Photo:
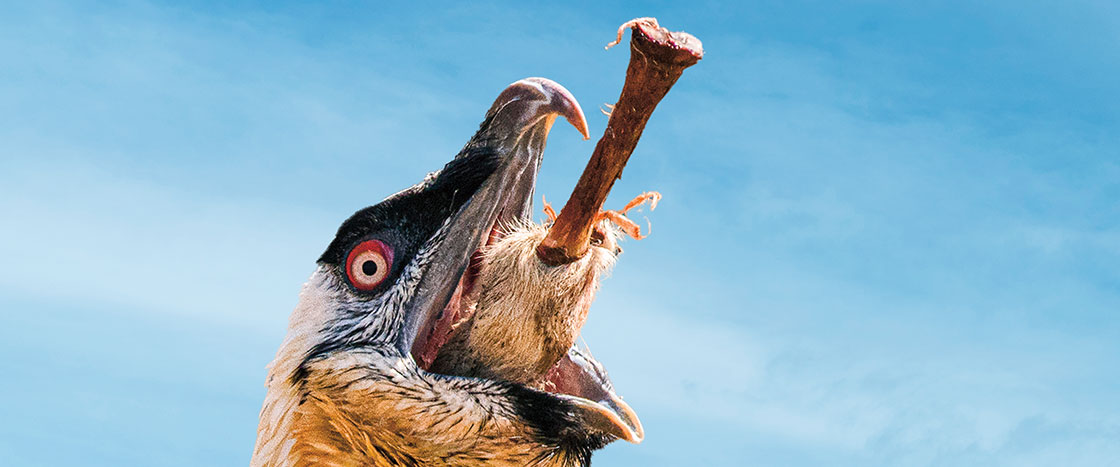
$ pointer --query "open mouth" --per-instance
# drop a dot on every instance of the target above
(461, 305)
(516, 128)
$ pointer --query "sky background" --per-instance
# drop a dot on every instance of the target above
(890, 232)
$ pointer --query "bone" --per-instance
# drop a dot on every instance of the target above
(657, 59)
(534, 296)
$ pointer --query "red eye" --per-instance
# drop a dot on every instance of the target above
(368, 264)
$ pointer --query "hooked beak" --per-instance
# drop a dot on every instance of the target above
(583, 381)
(511, 140)
(510, 143)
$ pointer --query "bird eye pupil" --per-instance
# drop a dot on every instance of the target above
(369, 268)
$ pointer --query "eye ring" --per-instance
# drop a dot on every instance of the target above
(368, 264)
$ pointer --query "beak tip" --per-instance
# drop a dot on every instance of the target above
(611, 416)
(560, 101)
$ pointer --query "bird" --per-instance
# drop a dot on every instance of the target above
(352, 382)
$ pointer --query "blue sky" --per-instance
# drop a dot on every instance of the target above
(890, 232)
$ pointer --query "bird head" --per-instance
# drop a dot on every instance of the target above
(350, 382)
